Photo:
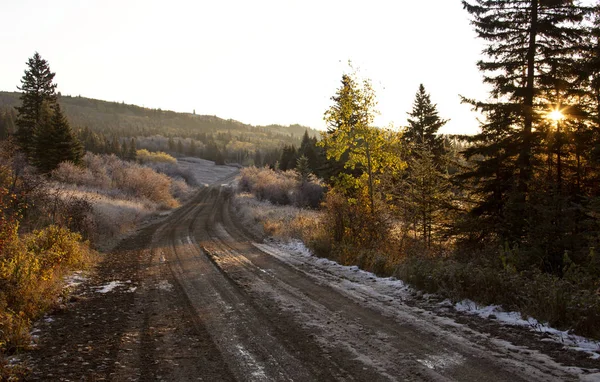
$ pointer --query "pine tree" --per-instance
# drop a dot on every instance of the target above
(303, 169)
(124, 149)
(309, 149)
(55, 141)
(4, 132)
(288, 158)
(132, 154)
(424, 123)
(425, 194)
(37, 88)
(532, 50)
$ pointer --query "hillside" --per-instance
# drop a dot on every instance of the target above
(102, 122)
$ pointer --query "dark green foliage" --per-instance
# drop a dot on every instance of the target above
(37, 88)
(533, 49)
(132, 153)
(106, 120)
(7, 123)
(44, 134)
(55, 141)
(288, 158)
(303, 169)
(423, 125)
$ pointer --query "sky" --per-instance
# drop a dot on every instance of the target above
(259, 62)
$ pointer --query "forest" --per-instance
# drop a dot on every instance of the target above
(117, 128)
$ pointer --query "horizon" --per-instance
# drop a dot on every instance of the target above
(261, 63)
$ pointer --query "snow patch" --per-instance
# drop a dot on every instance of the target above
(570, 341)
(165, 285)
(296, 253)
(590, 377)
(353, 281)
(75, 279)
(257, 371)
(109, 287)
(437, 362)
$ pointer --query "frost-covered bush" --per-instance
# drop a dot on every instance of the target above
(280, 187)
(117, 177)
(144, 182)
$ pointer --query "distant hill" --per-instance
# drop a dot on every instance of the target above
(112, 121)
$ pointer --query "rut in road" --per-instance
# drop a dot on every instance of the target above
(274, 322)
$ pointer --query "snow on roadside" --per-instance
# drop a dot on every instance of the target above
(111, 286)
(298, 255)
(74, 279)
(571, 341)
(352, 277)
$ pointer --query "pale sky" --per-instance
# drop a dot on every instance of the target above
(258, 62)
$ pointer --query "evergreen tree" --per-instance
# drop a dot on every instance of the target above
(425, 194)
(55, 141)
(258, 159)
(533, 51)
(4, 132)
(424, 123)
(288, 158)
(309, 149)
(303, 169)
(37, 88)
(132, 154)
(124, 149)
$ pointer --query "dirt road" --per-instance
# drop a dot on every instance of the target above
(196, 297)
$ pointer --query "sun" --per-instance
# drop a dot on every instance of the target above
(556, 115)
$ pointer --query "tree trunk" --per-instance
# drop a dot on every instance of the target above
(524, 157)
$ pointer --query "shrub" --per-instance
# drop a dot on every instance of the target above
(31, 272)
(283, 188)
(561, 303)
(145, 156)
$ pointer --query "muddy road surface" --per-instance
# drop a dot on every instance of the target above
(195, 297)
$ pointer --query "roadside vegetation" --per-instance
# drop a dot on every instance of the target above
(59, 204)
(508, 216)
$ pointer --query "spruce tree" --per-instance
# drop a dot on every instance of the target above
(424, 123)
(303, 169)
(132, 154)
(37, 88)
(55, 141)
(425, 194)
(532, 48)
(288, 158)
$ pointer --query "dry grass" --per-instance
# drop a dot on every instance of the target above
(283, 222)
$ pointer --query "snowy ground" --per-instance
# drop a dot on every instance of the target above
(205, 171)
(365, 285)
